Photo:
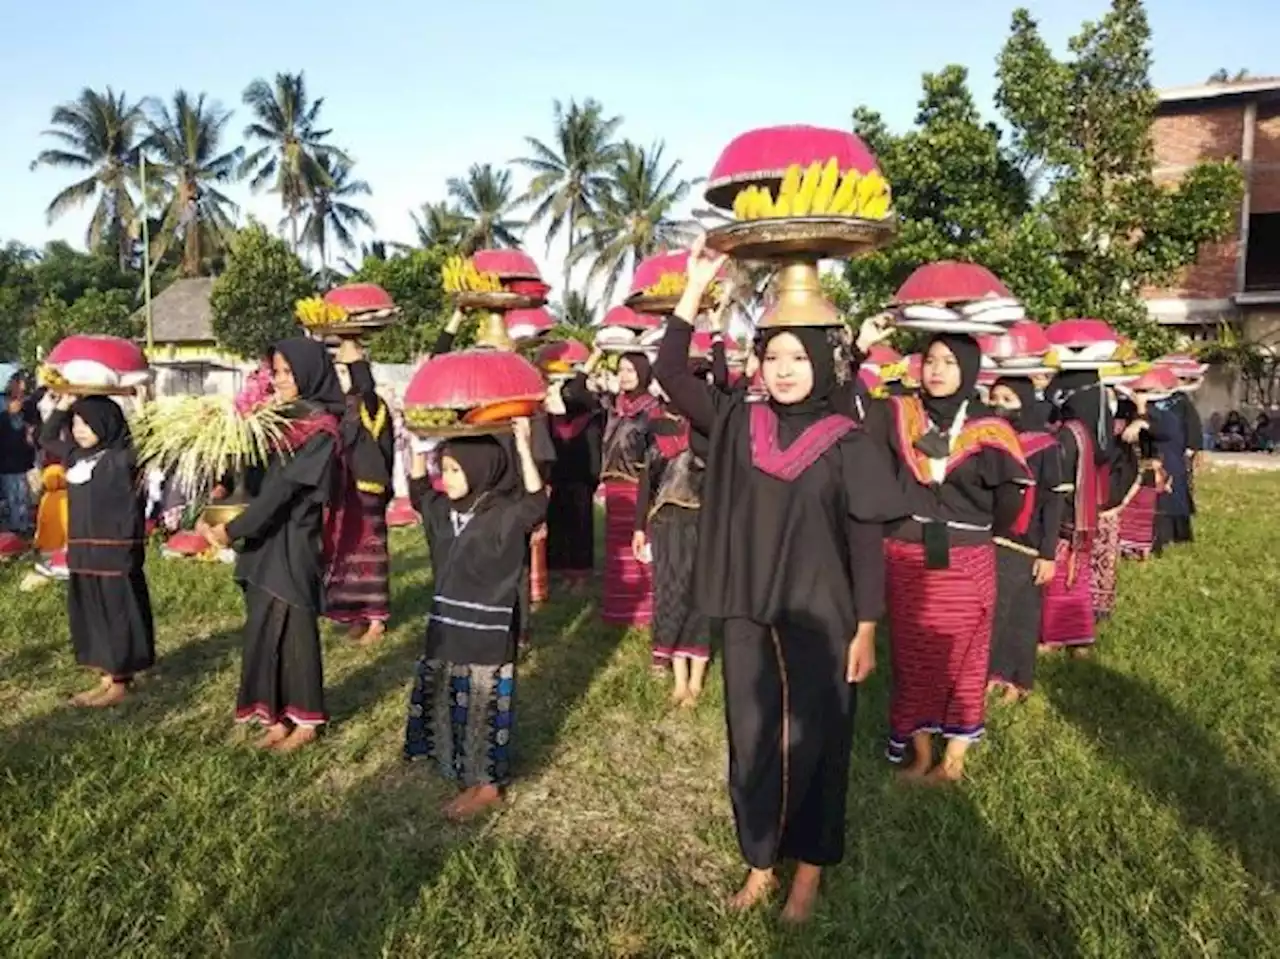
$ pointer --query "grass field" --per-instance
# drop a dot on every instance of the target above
(1131, 808)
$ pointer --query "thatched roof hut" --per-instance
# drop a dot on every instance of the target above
(180, 315)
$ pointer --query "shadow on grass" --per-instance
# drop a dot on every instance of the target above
(923, 873)
(166, 688)
(1176, 759)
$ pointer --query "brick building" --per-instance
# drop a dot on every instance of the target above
(1237, 280)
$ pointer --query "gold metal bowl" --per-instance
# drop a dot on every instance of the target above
(219, 514)
(819, 237)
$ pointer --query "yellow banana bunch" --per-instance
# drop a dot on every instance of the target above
(670, 284)
(314, 311)
(817, 190)
(872, 196)
(460, 275)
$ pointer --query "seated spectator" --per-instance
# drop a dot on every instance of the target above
(1264, 438)
(1234, 437)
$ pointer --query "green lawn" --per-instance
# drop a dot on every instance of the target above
(1132, 808)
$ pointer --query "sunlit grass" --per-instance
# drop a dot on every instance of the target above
(1129, 809)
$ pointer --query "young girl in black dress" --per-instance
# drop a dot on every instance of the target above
(108, 605)
(461, 710)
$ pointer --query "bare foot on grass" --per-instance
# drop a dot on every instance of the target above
(760, 886)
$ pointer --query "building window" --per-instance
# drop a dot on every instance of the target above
(1262, 262)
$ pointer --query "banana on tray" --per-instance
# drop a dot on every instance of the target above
(818, 189)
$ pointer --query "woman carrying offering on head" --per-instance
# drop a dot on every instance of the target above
(628, 585)
(790, 562)
(359, 592)
(577, 429)
(966, 478)
(108, 604)
(1084, 431)
(286, 544)
(461, 712)
(1025, 561)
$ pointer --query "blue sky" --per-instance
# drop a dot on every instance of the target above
(418, 91)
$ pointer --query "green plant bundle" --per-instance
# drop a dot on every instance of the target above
(199, 439)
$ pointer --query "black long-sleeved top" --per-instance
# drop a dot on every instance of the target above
(106, 533)
(477, 566)
(808, 551)
(282, 546)
(17, 439)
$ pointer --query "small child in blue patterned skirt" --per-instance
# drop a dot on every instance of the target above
(461, 711)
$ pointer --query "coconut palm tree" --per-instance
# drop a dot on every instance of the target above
(438, 224)
(636, 216)
(331, 217)
(570, 174)
(98, 133)
(185, 147)
(575, 311)
(286, 124)
(485, 205)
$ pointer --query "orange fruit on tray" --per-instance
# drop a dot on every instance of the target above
(497, 412)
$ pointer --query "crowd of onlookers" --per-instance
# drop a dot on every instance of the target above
(1234, 433)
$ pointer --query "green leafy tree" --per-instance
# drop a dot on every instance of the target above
(95, 311)
(253, 300)
(1067, 210)
(956, 191)
(413, 280)
(98, 134)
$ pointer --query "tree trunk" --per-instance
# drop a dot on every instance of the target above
(568, 268)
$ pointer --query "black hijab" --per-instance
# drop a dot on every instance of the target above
(104, 416)
(1033, 415)
(313, 372)
(485, 464)
(943, 409)
(822, 359)
(644, 372)
(1078, 395)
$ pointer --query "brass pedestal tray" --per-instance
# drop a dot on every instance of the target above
(661, 305)
(496, 300)
(82, 389)
(819, 237)
(796, 244)
(460, 430)
(356, 325)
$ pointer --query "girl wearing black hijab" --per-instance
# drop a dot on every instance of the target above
(1084, 428)
(965, 477)
(108, 604)
(790, 562)
(359, 592)
(286, 549)
(628, 585)
(1025, 561)
(461, 709)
